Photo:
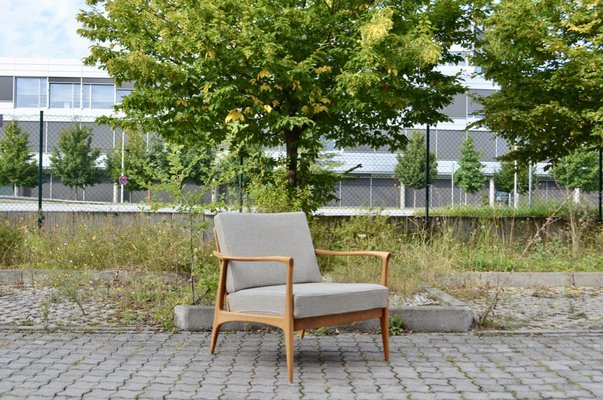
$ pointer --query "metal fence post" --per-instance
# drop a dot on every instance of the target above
(600, 214)
(40, 170)
(427, 167)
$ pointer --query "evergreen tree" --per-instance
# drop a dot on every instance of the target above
(470, 176)
(578, 171)
(410, 169)
(17, 165)
(138, 166)
(504, 178)
(74, 161)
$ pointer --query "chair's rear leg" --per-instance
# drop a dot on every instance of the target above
(385, 333)
(214, 337)
(303, 333)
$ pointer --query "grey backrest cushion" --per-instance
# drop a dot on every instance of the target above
(256, 235)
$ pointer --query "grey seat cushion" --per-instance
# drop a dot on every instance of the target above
(310, 299)
(256, 235)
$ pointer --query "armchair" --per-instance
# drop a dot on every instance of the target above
(269, 274)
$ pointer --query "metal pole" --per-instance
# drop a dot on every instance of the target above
(600, 216)
(241, 183)
(515, 183)
(123, 164)
(40, 170)
(427, 162)
(530, 183)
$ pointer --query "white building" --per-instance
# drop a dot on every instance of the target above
(68, 91)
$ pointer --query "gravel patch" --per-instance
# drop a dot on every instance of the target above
(537, 308)
(51, 307)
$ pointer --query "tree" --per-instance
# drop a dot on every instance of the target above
(411, 170)
(137, 163)
(470, 176)
(504, 178)
(74, 161)
(546, 56)
(280, 73)
(17, 165)
(578, 171)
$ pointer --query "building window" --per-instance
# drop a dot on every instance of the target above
(31, 92)
(65, 95)
(98, 96)
(120, 94)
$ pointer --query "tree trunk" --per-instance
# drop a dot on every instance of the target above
(15, 190)
(292, 145)
(577, 196)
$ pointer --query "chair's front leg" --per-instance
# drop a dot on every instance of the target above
(219, 306)
(288, 321)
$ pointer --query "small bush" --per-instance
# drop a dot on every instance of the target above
(11, 244)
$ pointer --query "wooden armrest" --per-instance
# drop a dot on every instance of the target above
(384, 255)
(266, 258)
(225, 259)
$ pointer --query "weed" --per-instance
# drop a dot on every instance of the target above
(11, 243)
(397, 326)
(324, 331)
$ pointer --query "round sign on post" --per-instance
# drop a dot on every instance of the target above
(123, 180)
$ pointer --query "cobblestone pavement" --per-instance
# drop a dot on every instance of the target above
(252, 366)
(570, 308)
(45, 306)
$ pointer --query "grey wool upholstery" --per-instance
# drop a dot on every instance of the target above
(258, 235)
(310, 299)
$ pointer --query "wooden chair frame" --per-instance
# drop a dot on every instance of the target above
(287, 322)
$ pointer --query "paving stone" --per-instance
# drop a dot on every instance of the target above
(424, 366)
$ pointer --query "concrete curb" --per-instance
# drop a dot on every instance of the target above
(527, 279)
(31, 276)
(453, 317)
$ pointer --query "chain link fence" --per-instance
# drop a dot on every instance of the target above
(373, 184)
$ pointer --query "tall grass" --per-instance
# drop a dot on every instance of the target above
(458, 245)
(148, 249)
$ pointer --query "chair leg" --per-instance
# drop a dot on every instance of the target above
(289, 351)
(303, 333)
(385, 333)
(214, 337)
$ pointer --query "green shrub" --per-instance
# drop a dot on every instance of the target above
(11, 244)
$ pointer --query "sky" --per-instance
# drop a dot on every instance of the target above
(41, 29)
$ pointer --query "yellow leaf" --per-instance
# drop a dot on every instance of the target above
(265, 88)
(210, 54)
(305, 109)
(267, 108)
(318, 108)
(182, 102)
(296, 85)
(323, 69)
(248, 110)
(233, 116)
(263, 73)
